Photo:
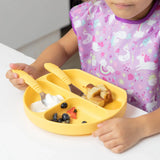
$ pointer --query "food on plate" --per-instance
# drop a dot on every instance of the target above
(98, 100)
(64, 105)
(50, 101)
(60, 120)
(93, 92)
(73, 113)
(67, 121)
(84, 121)
(55, 116)
(65, 117)
(98, 94)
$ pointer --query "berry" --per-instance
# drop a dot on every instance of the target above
(55, 117)
(64, 105)
(67, 121)
(60, 120)
(72, 112)
(65, 117)
(84, 121)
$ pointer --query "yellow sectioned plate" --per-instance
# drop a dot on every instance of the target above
(86, 110)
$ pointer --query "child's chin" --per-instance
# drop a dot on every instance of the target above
(127, 17)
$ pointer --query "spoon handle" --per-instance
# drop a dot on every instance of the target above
(29, 80)
(58, 72)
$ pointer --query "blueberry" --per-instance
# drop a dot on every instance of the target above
(65, 117)
(84, 121)
(55, 117)
(75, 111)
(60, 120)
(64, 105)
(67, 121)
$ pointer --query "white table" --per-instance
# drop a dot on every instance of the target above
(22, 140)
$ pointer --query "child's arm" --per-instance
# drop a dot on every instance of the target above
(59, 52)
(150, 123)
(119, 134)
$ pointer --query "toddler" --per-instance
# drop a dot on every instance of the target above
(118, 41)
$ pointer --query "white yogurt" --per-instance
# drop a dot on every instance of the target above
(50, 101)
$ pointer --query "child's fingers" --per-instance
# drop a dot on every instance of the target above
(14, 77)
(101, 131)
(10, 75)
(107, 137)
(111, 144)
(105, 123)
(22, 87)
(19, 66)
(19, 83)
(16, 82)
(118, 149)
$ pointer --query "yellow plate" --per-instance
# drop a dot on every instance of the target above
(86, 110)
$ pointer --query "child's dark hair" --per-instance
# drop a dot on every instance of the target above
(75, 2)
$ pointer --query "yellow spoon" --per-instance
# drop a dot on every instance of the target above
(32, 83)
(59, 73)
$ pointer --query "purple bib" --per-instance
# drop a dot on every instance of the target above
(123, 52)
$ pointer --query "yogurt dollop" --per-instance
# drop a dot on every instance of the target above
(50, 100)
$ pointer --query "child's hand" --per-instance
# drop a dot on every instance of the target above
(119, 134)
(14, 78)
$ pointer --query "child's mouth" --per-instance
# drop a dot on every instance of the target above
(122, 6)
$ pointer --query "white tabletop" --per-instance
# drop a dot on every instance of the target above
(22, 140)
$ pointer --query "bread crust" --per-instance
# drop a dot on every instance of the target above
(98, 94)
